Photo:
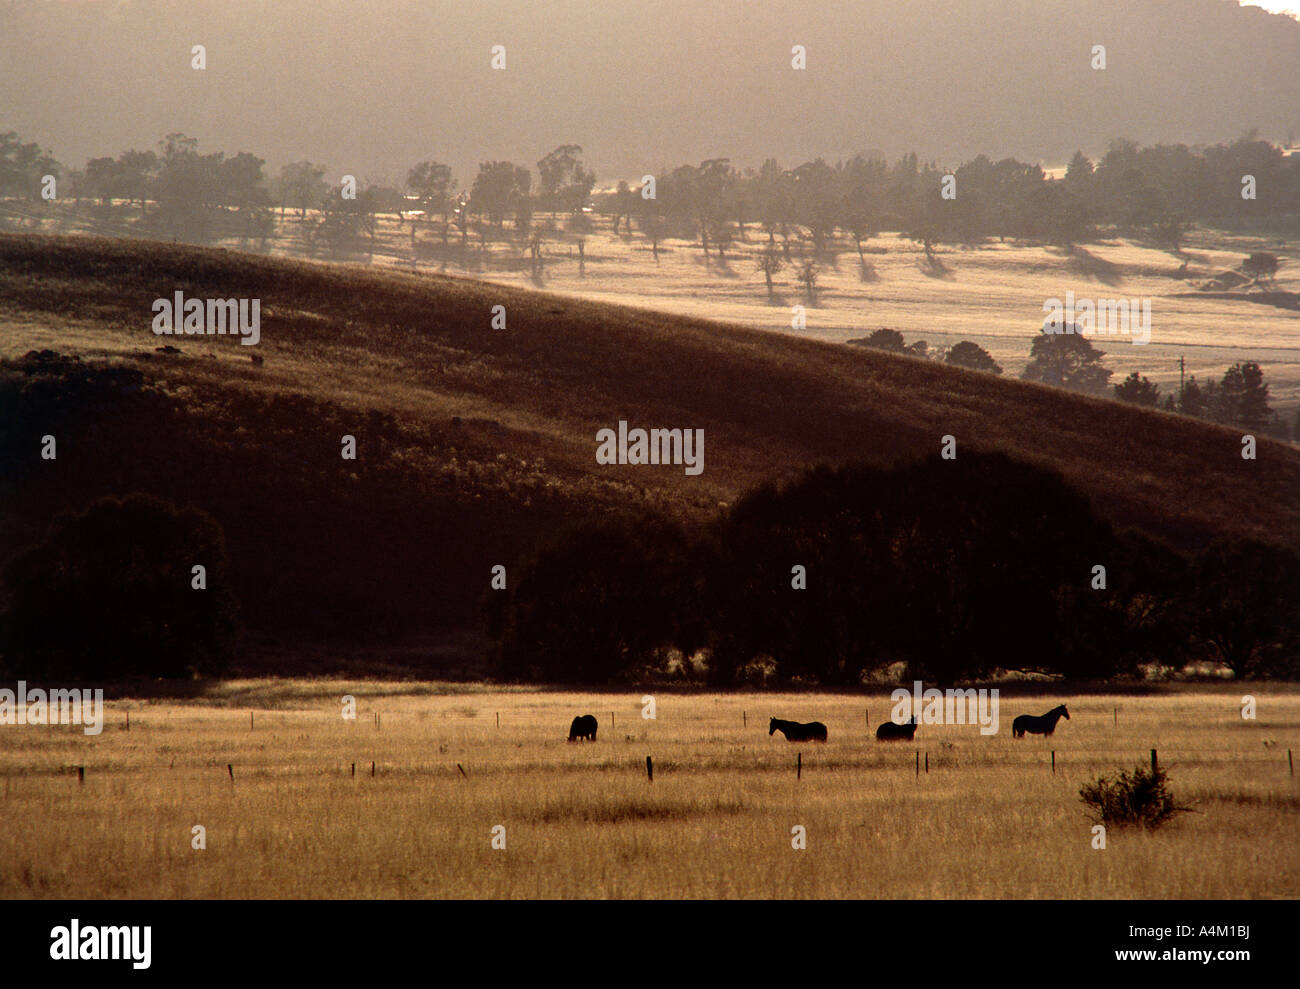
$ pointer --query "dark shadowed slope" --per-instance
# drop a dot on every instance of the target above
(474, 442)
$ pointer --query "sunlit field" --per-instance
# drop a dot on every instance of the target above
(992, 294)
(988, 819)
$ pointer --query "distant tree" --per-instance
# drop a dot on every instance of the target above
(712, 189)
(498, 189)
(624, 202)
(22, 165)
(972, 356)
(1192, 401)
(240, 181)
(773, 198)
(303, 185)
(103, 178)
(1260, 266)
(808, 273)
(109, 592)
(189, 190)
(1247, 606)
(886, 339)
(816, 201)
(579, 227)
(770, 264)
(432, 181)
(1169, 230)
(1067, 360)
(1242, 398)
(563, 183)
(653, 225)
(1080, 170)
(928, 224)
(136, 173)
(1138, 390)
(863, 182)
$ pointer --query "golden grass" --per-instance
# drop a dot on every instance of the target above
(989, 819)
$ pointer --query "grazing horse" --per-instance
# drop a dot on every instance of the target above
(890, 732)
(1039, 726)
(813, 731)
(584, 726)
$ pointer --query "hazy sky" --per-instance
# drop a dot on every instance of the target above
(372, 86)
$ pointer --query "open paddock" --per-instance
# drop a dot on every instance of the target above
(988, 819)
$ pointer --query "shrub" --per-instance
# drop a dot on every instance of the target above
(1139, 798)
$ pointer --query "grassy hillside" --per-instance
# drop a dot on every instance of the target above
(474, 443)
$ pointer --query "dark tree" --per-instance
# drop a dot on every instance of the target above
(1138, 390)
(109, 593)
(606, 600)
(884, 339)
(1247, 606)
(1067, 360)
(972, 356)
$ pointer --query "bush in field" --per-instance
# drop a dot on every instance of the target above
(109, 592)
(1140, 798)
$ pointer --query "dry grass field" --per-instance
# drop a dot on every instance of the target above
(992, 294)
(989, 819)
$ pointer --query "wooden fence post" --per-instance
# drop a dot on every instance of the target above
(354, 770)
(918, 763)
(81, 774)
(927, 762)
(649, 769)
(1154, 766)
(231, 770)
(798, 767)
(1290, 762)
(1053, 762)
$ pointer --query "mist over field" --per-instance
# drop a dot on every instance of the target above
(372, 87)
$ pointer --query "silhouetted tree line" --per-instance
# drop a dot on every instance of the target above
(1155, 192)
(955, 569)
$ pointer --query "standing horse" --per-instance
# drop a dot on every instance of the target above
(890, 732)
(1044, 725)
(584, 726)
(813, 731)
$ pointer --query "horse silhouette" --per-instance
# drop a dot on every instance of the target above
(813, 731)
(1044, 725)
(890, 732)
(584, 726)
